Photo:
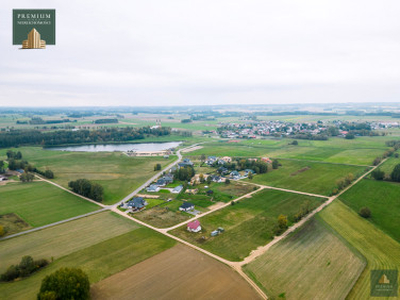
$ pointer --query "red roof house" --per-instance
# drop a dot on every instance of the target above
(194, 226)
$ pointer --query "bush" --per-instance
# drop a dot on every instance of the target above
(49, 174)
(65, 283)
(377, 161)
(26, 267)
(275, 164)
(349, 136)
(2, 230)
(365, 212)
(378, 174)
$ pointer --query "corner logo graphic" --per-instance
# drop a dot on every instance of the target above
(34, 28)
(384, 283)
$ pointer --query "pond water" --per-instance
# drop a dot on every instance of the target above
(118, 147)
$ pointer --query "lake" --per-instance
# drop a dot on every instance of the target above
(119, 147)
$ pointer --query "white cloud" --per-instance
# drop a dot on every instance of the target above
(206, 52)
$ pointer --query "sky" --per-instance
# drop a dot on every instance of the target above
(149, 53)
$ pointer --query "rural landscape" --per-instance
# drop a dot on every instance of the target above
(200, 202)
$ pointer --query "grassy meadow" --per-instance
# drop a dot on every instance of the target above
(101, 245)
(304, 176)
(40, 203)
(379, 250)
(298, 266)
(248, 224)
(118, 174)
(382, 198)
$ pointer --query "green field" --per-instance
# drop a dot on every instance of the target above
(248, 224)
(101, 245)
(380, 250)
(382, 198)
(40, 203)
(318, 178)
(389, 165)
(298, 266)
(117, 173)
(360, 151)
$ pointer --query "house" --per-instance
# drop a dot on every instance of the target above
(192, 191)
(211, 160)
(177, 190)
(247, 171)
(161, 182)
(209, 192)
(234, 175)
(216, 178)
(185, 163)
(2, 178)
(169, 178)
(227, 159)
(221, 162)
(266, 160)
(137, 203)
(223, 170)
(186, 206)
(194, 226)
(153, 188)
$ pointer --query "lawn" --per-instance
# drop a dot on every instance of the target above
(101, 245)
(389, 165)
(40, 203)
(312, 263)
(380, 250)
(117, 173)
(311, 177)
(382, 198)
(248, 224)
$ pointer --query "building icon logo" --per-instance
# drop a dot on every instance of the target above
(34, 41)
(384, 283)
(39, 25)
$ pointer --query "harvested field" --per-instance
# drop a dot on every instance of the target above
(300, 265)
(177, 273)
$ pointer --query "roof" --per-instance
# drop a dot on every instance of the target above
(137, 202)
(187, 205)
(194, 224)
(178, 188)
(153, 187)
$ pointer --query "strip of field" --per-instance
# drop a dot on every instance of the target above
(380, 250)
(120, 245)
(389, 165)
(313, 263)
(317, 178)
(248, 224)
(178, 273)
(382, 198)
(117, 173)
(40, 203)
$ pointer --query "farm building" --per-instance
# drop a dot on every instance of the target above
(266, 160)
(186, 206)
(194, 226)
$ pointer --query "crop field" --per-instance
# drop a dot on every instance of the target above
(186, 274)
(361, 151)
(248, 224)
(318, 178)
(101, 245)
(298, 266)
(382, 198)
(117, 173)
(40, 203)
(389, 165)
(379, 250)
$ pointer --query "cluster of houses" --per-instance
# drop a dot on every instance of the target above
(161, 182)
(211, 160)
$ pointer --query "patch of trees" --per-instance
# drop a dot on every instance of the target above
(239, 164)
(343, 183)
(40, 121)
(2, 167)
(378, 174)
(282, 225)
(87, 189)
(275, 164)
(184, 173)
(294, 143)
(395, 175)
(26, 267)
(157, 167)
(49, 174)
(186, 121)
(13, 155)
(365, 212)
(65, 283)
(19, 137)
(303, 211)
(106, 121)
(26, 177)
(349, 136)
(309, 136)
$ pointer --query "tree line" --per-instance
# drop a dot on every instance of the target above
(19, 137)
(87, 189)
